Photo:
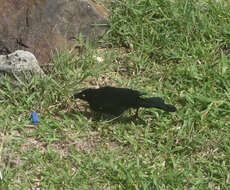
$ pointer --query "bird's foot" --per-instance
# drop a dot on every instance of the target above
(137, 120)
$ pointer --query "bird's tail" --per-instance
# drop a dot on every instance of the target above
(156, 102)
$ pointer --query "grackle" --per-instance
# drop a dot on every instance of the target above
(115, 101)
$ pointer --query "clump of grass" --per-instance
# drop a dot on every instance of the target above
(171, 30)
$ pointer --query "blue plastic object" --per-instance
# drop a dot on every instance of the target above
(34, 116)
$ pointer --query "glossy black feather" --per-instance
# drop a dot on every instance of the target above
(115, 101)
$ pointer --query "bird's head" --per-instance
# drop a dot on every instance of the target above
(84, 95)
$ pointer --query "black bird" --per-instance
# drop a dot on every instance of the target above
(115, 101)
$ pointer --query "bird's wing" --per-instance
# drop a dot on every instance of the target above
(121, 91)
(133, 92)
(141, 93)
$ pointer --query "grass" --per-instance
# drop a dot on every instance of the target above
(178, 50)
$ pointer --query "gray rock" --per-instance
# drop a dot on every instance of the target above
(42, 26)
(21, 64)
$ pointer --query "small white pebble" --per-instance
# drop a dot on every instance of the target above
(99, 59)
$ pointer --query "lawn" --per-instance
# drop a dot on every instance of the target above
(177, 50)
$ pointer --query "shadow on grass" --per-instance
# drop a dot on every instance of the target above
(105, 118)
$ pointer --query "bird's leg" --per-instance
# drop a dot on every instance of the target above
(137, 119)
(136, 114)
(97, 116)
